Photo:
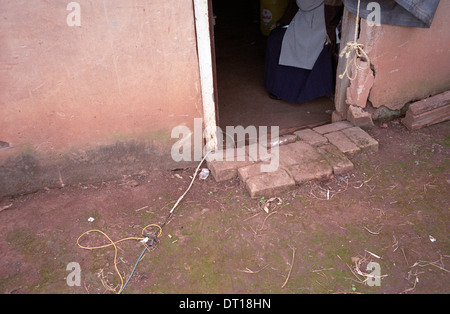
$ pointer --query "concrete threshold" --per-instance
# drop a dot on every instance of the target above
(317, 154)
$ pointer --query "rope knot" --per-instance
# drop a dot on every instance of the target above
(357, 50)
(353, 47)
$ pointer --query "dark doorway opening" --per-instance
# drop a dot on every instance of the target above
(240, 49)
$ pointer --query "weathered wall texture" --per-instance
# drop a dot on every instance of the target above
(110, 89)
(408, 63)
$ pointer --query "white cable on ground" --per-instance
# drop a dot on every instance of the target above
(190, 185)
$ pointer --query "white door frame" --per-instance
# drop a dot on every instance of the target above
(202, 28)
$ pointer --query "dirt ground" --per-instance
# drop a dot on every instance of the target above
(392, 209)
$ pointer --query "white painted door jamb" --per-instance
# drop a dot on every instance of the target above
(206, 72)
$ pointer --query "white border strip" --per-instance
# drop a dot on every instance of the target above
(206, 72)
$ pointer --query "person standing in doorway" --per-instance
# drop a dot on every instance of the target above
(299, 65)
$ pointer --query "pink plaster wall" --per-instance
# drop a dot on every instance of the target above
(130, 71)
(409, 63)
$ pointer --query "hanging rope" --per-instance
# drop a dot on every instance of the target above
(354, 51)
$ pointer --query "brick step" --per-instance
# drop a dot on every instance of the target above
(318, 154)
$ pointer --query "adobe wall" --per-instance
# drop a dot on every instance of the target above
(408, 64)
(94, 101)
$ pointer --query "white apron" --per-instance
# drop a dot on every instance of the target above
(304, 38)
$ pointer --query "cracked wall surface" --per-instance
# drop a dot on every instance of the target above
(407, 64)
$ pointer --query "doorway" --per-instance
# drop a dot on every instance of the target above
(240, 49)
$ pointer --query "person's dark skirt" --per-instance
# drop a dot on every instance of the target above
(293, 84)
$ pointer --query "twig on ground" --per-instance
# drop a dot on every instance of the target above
(364, 182)
(395, 245)
(328, 192)
(404, 255)
(290, 270)
(262, 226)
(416, 280)
(142, 208)
(249, 271)
(438, 264)
(357, 272)
(104, 282)
(319, 270)
(373, 232)
(374, 255)
(252, 216)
